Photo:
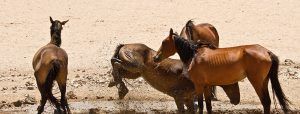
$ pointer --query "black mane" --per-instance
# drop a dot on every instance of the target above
(185, 49)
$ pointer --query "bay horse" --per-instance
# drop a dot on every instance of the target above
(135, 60)
(200, 32)
(222, 66)
(50, 63)
(203, 32)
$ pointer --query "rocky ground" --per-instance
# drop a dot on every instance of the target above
(88, 92)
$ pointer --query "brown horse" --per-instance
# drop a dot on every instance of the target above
(222, 66)
(51, 63)
(135, 60)
(205, 33)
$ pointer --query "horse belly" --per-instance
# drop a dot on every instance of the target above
(224, 75)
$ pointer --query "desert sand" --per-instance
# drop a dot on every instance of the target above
(96, 27)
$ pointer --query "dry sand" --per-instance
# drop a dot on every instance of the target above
(97, 26)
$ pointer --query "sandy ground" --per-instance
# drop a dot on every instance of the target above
(97, 26)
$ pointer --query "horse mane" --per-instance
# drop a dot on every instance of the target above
(189, 29)
(185, 48)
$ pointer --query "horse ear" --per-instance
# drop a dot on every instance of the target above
(171, 32)
(64, 22)
(51, 20)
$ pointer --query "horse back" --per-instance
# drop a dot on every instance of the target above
(232, 54)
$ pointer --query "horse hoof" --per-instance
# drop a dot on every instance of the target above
(58, 111)
(214, 99)
(122, 92)
(112, 83)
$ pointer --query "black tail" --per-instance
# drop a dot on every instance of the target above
(50, 79)
(189, 29)
(116, 54)
(277, 90)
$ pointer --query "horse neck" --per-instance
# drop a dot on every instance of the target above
(185, 50)
(56, 38)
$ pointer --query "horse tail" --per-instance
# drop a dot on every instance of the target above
(50, 79)
(277, 90)
(116, 54)
(189, 29)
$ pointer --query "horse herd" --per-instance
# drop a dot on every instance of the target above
(202, 66)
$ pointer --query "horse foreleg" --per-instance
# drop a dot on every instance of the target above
(200, 103)
(214, 93)
(180, 104)
(189, 103)
(208, 95)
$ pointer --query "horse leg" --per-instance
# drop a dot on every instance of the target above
(261, 88)
(40, 84)
(42, 104)
(61, 81)
(233, 92)
(214, 93)
(115, 73)
(117, 80)
(43, 100)
(55, 102)
(179, 103)
(200, 103)
(189, 103)
(208, 95)
(199, 89)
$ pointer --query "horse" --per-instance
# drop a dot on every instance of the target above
(135, 60)
(203, 32)
(200, 32)
(222, 66)
(50, 63)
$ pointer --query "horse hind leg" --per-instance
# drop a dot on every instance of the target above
(261, 88)
(61, 80)
(40, 80)
(43, 100)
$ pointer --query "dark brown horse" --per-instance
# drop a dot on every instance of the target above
(51, 63)
(135, 60)
(222, 66)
